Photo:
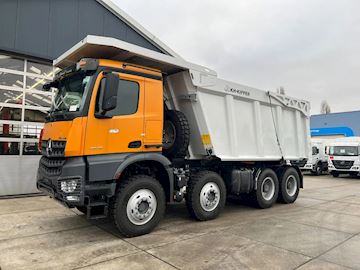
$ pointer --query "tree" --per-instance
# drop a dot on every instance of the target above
(325, 107)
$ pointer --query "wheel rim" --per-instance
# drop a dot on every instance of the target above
(141, 207)
(209, 196)
(318, 170)
(291, 185)
(268, 188)
(169, 134)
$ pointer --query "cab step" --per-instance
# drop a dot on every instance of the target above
(97, 210)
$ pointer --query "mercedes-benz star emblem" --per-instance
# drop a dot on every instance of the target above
(49, 148)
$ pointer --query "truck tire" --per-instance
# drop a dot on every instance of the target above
(205, 195)
(176, 135)
(335, 174)
(289, 186)
(318, 169)
(139, 205)
(267, 190)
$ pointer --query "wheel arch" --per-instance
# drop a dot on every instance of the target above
(156, 163)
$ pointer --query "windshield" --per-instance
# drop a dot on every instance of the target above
(344, 151)
(71, 93)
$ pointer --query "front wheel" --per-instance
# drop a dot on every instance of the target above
(335, 174)
(289, 186)
(139, 205)
(206, 195)
(317, 170)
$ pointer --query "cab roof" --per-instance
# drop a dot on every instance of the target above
(113, 49)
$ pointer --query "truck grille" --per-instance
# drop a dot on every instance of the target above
(53, 158)
(299, 163)
(53, 149)
(343, 164)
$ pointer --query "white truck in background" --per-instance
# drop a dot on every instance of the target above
(318, 161)
(344, 156)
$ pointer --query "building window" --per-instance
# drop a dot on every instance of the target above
(23, 104)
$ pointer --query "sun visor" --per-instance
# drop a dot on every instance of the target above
(114, 49)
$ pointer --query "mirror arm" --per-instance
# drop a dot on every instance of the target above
(102, 116)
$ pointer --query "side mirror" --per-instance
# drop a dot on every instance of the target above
(109, 100)
(48, 86)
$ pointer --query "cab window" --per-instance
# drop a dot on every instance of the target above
(127, 98)
(315, 150)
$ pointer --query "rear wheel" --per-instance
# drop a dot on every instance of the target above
(289, 186)
(267, 189)
(139, 205)
(206, 195)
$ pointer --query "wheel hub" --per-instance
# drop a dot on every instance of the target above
(141, 206)
(169, 135)
(268, 188)
(209, 196)
(291, 185)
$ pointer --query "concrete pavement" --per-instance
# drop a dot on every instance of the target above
(320, 231)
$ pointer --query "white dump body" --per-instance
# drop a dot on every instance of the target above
(230, 121)
(238, 123)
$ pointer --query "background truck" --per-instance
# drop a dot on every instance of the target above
(344, 156)
(318, 161)
(132, 129)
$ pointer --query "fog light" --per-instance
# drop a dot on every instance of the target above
(68, 186)
(73, 198)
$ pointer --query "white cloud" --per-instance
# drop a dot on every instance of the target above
(309, 47)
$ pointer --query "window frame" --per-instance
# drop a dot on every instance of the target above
(25, 73)
(100, 95)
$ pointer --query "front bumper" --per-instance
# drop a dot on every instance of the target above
(355, 168)
(307, 167)
(85, 193)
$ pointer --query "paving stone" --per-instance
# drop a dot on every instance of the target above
(340, 207)
(9, 206)
(137, 261)
(304, 239)
(347, 254)
(62, 250)
(39, 222)
(324, 219)
(322, 265)
(226, 251)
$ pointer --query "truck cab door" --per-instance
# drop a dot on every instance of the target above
(121, 129)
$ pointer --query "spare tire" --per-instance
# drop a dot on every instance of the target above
(176, 134)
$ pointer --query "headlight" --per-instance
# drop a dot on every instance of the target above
(68, 186)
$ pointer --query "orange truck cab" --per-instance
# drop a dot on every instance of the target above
(106, 115)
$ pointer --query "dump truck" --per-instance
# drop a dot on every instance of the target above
(344, 156)
(132, 130)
